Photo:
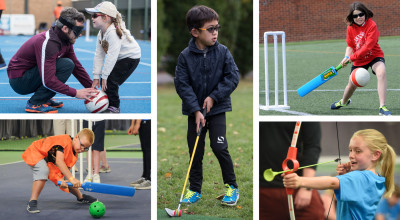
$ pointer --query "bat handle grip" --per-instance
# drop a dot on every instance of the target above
(340, 66)
(68, 183)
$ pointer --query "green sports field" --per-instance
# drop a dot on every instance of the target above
(305, 60)
(173, 158)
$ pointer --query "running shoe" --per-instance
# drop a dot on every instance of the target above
(338, 104)
(39, 108)
(384, 111)
(191, 197)
(231, 195)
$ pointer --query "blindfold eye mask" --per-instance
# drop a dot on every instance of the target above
(76, 29)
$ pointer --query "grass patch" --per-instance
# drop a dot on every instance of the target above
(305, 60)
(173, 157)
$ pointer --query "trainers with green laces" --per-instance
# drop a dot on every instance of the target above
(191, 197)
(231, 195)
(384, 111)
(339, 104)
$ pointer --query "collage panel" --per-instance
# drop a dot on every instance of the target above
(332, 170)
(334, 63)
(34, 151)
(204, 87)
(75, 56)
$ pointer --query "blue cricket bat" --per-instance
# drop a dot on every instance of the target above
(106, 188)
(319, 80)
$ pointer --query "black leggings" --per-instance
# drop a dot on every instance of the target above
(121, 72)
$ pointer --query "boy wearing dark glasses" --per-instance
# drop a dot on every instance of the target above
(44, 63)
(52, 158)
(205, 77)
(363, 51)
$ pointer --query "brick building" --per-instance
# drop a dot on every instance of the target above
(305, 20)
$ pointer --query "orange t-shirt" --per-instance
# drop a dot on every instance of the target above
(57, 11)
(2, 5)
(39, 149)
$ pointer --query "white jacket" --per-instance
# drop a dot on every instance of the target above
(117, 49)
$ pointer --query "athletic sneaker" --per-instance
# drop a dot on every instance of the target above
(384, 111)
(112, 109)
(231, 195)
(104, 169)
(87, 179)
(53, 103)
(39, 108)
(138, 182)
(87, 199)
(32, 206)
(338, 104)
(96, 178)
(144, 185)
(191, 197)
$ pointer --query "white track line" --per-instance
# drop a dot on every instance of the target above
(11, 163)
(92, 52)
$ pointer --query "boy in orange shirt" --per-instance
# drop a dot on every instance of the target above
(52, 158)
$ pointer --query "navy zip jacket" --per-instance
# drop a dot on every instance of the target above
(202, 73)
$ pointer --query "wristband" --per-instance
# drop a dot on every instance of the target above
(71, 178)
(347, 57)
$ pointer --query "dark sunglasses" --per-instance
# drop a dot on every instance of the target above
(76, 29)
(359, 15)
(97, 15)
(211, 29)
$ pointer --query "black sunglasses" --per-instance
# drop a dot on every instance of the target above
(359, 15)
(211, 29)
(76, 29)
(97, 15)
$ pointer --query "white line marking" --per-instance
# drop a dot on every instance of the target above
(11, 163)
(92, 52)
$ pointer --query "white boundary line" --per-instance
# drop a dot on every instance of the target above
(92, 52)
(11, 163)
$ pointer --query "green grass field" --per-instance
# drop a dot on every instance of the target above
(306, 60)
(173, 157)
(11, 150)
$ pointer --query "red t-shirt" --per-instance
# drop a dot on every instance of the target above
(364, 41)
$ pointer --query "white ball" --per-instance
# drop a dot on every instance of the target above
(98, 103)
(360, 77)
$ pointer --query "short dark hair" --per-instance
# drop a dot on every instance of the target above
(361, 7)
(197, 16)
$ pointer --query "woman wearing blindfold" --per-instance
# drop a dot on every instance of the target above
(122, 50)
(44, 63)
(363, 51)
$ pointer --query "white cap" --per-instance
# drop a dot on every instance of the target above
(106, 8)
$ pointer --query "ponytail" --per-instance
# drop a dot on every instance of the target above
(121, 29)
(376, 141)
(387, 169)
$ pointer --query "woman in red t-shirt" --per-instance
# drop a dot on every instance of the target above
(363, 51)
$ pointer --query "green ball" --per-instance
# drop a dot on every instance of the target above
(97, 209)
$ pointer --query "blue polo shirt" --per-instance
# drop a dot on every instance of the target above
(359, 195)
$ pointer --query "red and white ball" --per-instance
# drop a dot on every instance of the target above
(98, 102)
(360, 77)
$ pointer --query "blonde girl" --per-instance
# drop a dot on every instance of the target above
(361, 182)
(122, 50)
